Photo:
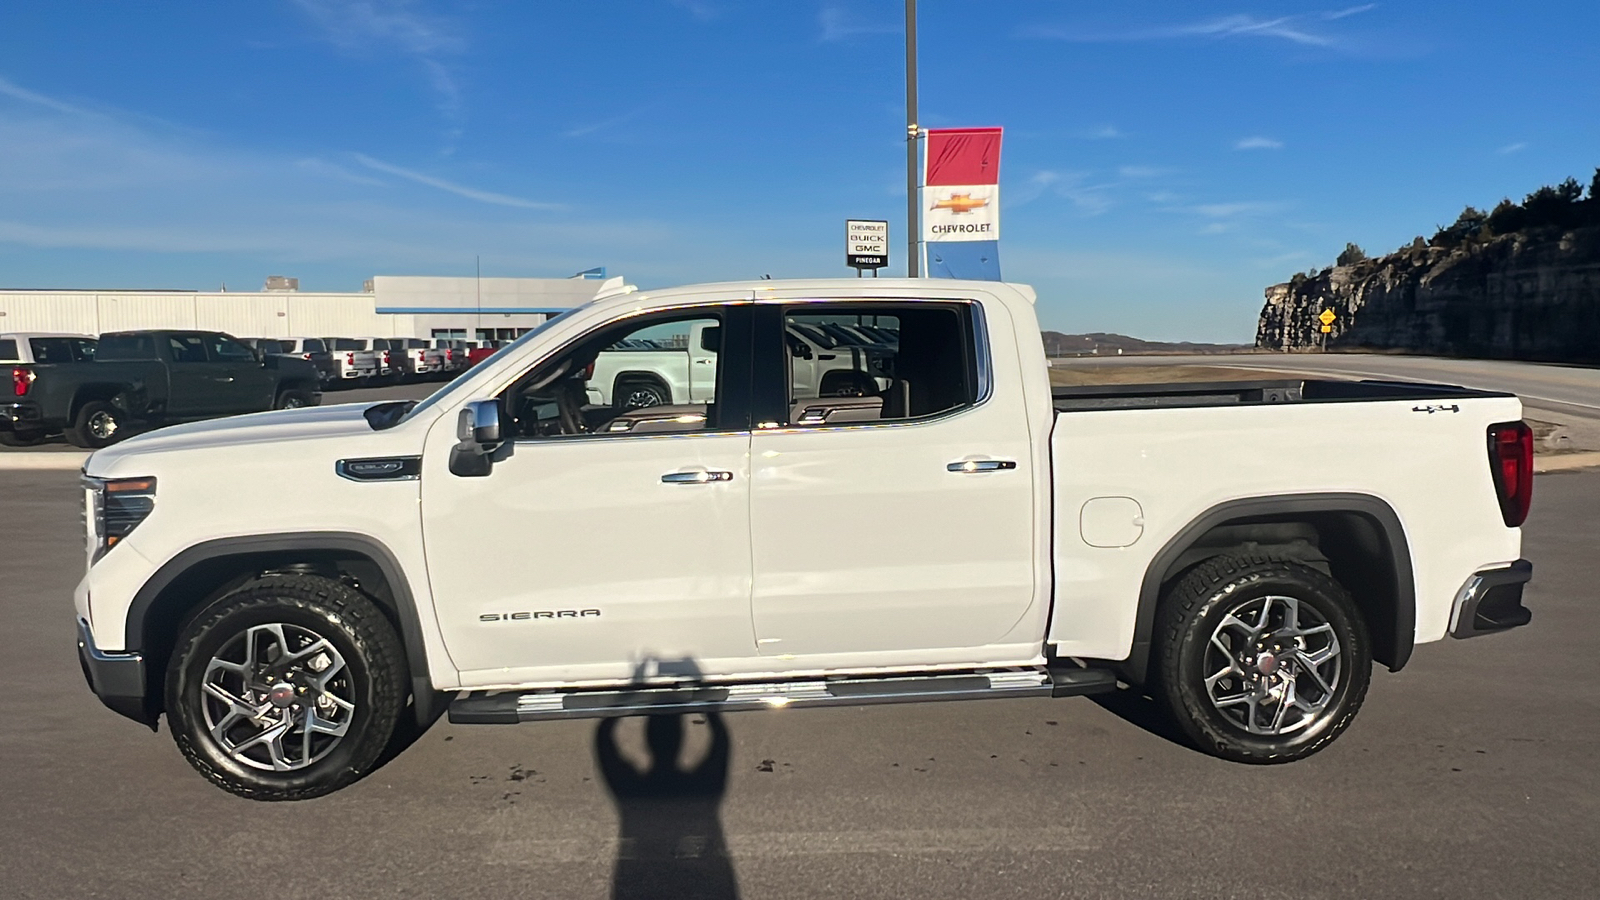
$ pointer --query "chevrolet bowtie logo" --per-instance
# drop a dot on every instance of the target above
(961, 203)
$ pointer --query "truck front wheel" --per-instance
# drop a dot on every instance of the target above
(1260, 659)
(288, 688)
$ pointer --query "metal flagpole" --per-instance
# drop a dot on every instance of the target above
(913, 202)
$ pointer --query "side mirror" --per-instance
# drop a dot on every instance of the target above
(479, 423)
(479, 434)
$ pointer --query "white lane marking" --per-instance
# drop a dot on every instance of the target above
(57, 462)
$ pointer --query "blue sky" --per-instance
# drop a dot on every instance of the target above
(1164, 162)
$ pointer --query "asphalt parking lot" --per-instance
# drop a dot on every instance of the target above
(1470, 774)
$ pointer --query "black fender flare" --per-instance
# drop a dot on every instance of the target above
(424, 695)
(642, 376)
(1376, 510)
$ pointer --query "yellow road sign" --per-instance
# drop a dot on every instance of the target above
(1326, 318)
(1327, 329)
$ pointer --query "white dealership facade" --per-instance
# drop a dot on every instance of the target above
(392, 306)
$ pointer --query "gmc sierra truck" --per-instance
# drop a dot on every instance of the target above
(511, 552)
(145, 379)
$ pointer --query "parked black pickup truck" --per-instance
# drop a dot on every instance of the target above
(141, 379)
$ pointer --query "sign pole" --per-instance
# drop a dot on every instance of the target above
(913, 203)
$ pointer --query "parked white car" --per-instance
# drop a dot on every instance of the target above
(1247, 551)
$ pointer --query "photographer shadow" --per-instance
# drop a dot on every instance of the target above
(670, 829)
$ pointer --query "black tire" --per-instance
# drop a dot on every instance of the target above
(372, 678)
(292, 400)
(639, 395)
(1266, 664)
(20, 438)
(97, 424)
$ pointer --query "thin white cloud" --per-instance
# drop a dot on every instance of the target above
(1104, 133)
(1139, 172)
(1258, 142)
(16, 92)
(1296, 29)
(1233, 210)
(1338, 14)
(700, 9)
(377, 28)
(578, 131)
(460, 190)
(366, 25)
(840, 24)
(1509, 149)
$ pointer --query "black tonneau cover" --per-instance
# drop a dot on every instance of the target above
(1074, 398)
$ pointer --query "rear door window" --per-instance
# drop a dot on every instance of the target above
(186, 348)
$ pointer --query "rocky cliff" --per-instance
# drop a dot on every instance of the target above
(1521, 282)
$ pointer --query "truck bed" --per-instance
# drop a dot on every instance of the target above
(1073, 398)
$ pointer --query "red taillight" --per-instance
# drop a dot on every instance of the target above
(305, 356)
(449, 354)
(349, 359)
(386, 357)
(1511, 461)
(21, 380)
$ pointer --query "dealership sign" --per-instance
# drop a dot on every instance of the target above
(866, 243)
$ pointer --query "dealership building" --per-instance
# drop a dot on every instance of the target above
(390, 306)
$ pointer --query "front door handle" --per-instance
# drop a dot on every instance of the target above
(226, 379)
(701, 477)
(980, 465)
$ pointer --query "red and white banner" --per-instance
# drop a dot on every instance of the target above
(961, 185)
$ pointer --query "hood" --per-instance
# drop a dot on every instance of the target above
(256, 428)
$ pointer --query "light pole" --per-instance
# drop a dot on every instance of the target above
(913, 203)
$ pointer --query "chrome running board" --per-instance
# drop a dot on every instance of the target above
(510, 707)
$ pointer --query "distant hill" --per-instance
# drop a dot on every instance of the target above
(1100, 343)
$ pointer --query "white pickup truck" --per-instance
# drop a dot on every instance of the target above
(514, 552)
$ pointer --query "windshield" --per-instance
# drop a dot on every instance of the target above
(450, 389)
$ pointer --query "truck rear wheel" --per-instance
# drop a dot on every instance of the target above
(1260, 659)
(97, 424)
(640, 395)
(286, 689)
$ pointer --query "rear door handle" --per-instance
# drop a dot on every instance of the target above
(226, 379)
(980, 465)
(701, 477)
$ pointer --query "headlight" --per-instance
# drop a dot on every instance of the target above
(114, 507)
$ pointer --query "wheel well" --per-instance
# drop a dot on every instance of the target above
(637, 378)
(91, 392)
(1357, 540)
(161, 611)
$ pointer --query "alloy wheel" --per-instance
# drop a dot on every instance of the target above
(1274, 666)
(277, 697)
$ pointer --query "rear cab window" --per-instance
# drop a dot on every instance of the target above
(860, 363)
(8, 351)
